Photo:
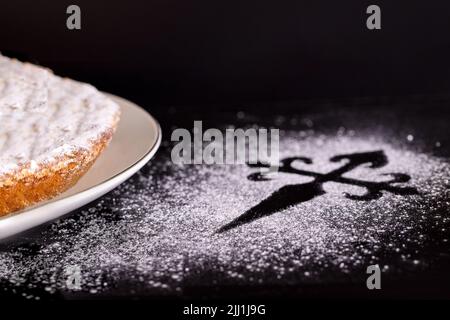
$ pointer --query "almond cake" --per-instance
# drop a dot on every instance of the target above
(52, 130)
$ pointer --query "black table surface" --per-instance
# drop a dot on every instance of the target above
(424, 117)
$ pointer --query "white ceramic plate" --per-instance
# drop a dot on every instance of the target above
(136, 140)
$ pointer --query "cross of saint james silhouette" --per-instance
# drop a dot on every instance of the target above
(294, 194)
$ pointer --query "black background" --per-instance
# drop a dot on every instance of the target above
(242, 54)
(164, 52)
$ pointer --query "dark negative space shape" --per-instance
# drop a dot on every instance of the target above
(294, 194)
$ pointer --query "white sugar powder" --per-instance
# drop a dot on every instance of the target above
(158, 231)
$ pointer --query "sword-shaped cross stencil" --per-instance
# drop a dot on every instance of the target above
(293, 194)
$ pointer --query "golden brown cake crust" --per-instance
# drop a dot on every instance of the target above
(51, 180)
(52, 130)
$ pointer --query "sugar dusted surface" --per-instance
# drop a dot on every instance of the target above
(45, 117)
(156, 234)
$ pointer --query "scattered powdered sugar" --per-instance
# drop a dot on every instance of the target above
(157, 233)
(44, 117)
(23, 87)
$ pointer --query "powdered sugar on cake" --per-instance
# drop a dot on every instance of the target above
(44, 118)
